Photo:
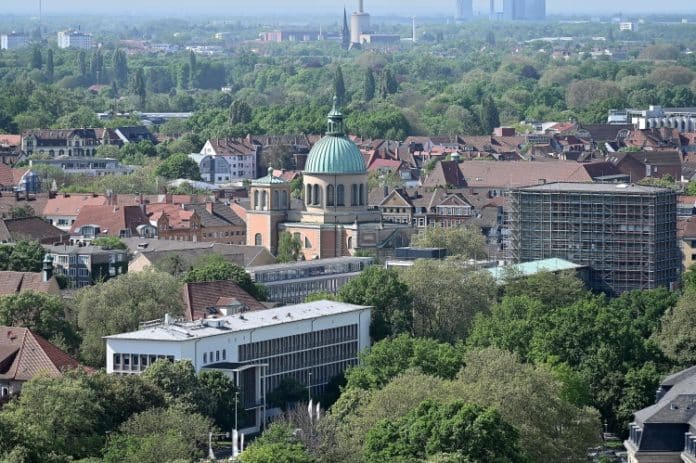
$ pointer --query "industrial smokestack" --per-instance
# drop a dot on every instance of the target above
(492, 12)
(360, 6)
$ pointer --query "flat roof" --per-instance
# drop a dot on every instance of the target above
(534, 267)
(617, 188)
(184, 331)
(308, 263)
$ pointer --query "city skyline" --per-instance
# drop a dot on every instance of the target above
(301, 7)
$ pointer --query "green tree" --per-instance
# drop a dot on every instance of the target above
(138, 87)
(82, 63)
(339, 87)
(119, 305)
(489, 117)
(240, 112)
(289, 391)
(289, 247)
(36, 58)
(42, 313)
(160, 434)
(278, 444)
(464, 241)
(109, 242)
(388, 85)
(24, 256)
(390, 298)
(179, 166)
(677, 335)
(473, 433)
(50, 66)
(388, 358)
(19, 212)
(369, 85)
(446, 302)
(552, 290)
(54, 418)
(215, 268)
(120, 65)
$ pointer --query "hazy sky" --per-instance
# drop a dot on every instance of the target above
(321, 7)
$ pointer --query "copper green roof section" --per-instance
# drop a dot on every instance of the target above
(268, 179)
(335, 154)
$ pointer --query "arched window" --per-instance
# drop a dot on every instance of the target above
(256, 200)
(354, 195)
(330, 195)
(362, 194)
(258, 239)
(264, 200)
(317, 195)
(340, 196)
(284, 199)
(308, 199)
(350, 242)
(307, 243)
(276, 202)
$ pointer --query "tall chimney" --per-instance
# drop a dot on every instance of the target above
(360, 6)
(47, 272)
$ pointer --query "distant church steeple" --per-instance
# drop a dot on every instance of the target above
(345, 32)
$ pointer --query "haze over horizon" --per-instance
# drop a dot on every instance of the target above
(306, 7)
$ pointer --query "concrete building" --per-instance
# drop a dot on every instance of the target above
(627, 26)
(464, 9)
(86, 265)
(227, 160)
(310, 343)
(359, 24)
(13, 40)
(74, 39)
(655, 117)
(292, 282)
(626, 234)
(666, 431)
(92, 166)
(525, 10)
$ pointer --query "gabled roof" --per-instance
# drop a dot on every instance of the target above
(19, 282)
(30, 228)
(110, 219)
(231, 147)
(220, 216)
(445, 173)
(654, 158)
(199, 297)
(509, 174)
(23, 354)
(71, 204)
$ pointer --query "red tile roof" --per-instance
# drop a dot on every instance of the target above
(511, 174)
(10, 140)
(12, 283)
(198, 297)
(70, 204)
(110, 219)
(23, 354)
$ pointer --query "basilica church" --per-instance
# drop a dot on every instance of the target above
(334, 219)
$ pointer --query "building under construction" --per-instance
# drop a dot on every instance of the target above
(626, 234)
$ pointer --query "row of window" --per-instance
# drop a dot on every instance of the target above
(136, 362)
(278, 346)
(320, 376)
(221, 234)
(307, 358)
(208, 357)
(335, 196)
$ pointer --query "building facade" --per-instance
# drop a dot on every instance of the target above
(92, 167)
(86, 265)
(227, 160)
(335, 220)
(665, 432)
(291, 283)
(625, 234)
(310, 343)
(74, 39)
(13, 40)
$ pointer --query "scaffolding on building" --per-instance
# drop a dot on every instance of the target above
(625, 233)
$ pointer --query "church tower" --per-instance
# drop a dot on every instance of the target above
(270, 203)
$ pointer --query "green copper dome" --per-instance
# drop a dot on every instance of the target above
(335, 154)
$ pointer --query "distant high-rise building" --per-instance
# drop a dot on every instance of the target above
(465, 9)
(526, 10)
(74, 39)
(359, 24)
(13, 40)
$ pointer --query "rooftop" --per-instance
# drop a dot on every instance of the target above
(616, 188)
(532, 268)
(184, 331)
(309, 263)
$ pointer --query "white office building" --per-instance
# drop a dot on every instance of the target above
(74, 39)
(13, 41)
(310, 342)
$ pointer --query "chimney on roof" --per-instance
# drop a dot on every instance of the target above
(47, 271)
(209, 206)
